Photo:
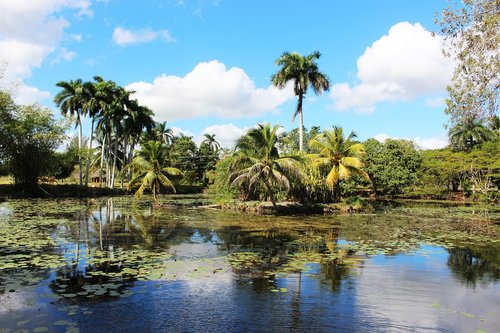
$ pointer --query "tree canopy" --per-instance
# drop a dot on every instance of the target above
(472, 32)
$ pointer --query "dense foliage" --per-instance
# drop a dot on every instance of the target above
(391, 165)
(28, 137)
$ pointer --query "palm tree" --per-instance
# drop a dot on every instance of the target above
(210, 142)
(465, 135)
(304, 72)
(71, 101)
(150, 170)
(494, 124)
(259, 162)
(93, 105)
(341, 155)
(163, 133)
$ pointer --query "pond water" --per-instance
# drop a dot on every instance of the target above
(111, 264)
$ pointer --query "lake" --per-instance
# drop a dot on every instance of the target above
(115, 265)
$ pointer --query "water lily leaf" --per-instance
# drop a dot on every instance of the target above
(40, 329)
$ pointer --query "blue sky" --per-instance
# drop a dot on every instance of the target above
(205, 65)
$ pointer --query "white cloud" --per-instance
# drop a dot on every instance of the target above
(26, 95)
(404, 64)
(381, 137)
(178, 131)
(76, 37)
(431, 143)
(124, 37)
(63, 55)
(209, 90)
(31, 30)
(423, 143)
(225, 134)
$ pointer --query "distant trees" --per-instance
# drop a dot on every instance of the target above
(468, 133)
(391, 165)
(28, 137)
(119, 122)
(303, 71)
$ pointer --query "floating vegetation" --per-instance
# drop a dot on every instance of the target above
(83, 252)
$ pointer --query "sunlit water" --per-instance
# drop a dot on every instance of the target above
(110, 266)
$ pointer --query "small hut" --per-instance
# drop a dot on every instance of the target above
(95, 177)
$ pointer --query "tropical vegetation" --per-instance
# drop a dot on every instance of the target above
(150, 169)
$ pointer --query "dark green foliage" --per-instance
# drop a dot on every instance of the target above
(469, 133)
(474, 173)
(391, 165)
(28, 137)
(258, 168)
(63, 163)
(218, 180)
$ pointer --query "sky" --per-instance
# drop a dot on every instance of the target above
(204, 66)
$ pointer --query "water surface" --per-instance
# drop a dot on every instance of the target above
(114, 265)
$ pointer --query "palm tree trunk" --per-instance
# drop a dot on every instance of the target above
(114, 164)
(301, 123)
(130, 157)
(124, 162)
(80, 135)
(108, 161)
(87, 167)
(102, 160)
(271, 195)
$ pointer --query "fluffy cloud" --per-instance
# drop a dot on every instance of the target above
(404, 64)
(28, 95)
(226, 134)
(178, 131)
(209, 90)
(423, 143)
(63, 55)
(30, 30)
(124, 37)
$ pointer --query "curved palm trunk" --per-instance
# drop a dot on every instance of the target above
(271, 194)
(87, 167)
(301, 123)
(130, 157)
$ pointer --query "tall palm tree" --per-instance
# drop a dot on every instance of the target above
(136, 119)
(465, 135)
(71, 102)
(211, 142)
(92, 104)
(303, 72)
(150, 170)
(341, 155)
(259, 162)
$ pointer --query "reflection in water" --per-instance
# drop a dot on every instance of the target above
(222, 271)
(473, 265)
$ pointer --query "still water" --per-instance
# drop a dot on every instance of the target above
(112, 265)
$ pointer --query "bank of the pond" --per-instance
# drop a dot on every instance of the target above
(289, 207)
(11, 191)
